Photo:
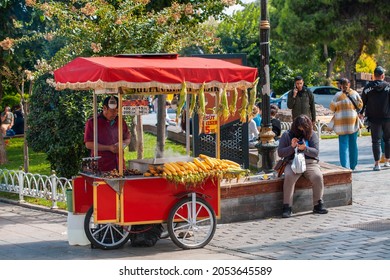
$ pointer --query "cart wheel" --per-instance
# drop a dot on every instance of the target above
(105, 236)
(190, 231)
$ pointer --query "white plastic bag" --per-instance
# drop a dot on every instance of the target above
(298, 165)
(330, 125)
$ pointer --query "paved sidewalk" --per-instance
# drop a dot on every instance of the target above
(358, 231)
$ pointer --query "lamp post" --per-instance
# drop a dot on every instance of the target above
(267, 145)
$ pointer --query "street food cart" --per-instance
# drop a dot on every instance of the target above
(113, 204)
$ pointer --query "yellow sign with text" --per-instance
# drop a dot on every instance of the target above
(210, 124)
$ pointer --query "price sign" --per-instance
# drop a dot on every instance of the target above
(210, 124)
(135, 107)
(135, 110)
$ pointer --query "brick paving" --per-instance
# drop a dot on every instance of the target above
(356, 232)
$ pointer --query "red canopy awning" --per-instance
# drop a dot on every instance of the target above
(144, 72)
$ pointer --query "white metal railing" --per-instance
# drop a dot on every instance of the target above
(51, 187)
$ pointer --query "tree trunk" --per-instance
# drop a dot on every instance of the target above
(350, 69)
(133, 135)
(26, 158)
(161, 115)
(329, 65)
(3, 154)
(329, 70)
(1, 87)
(140, 138)
(350, 63)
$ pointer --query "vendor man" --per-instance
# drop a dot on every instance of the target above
(107, 136)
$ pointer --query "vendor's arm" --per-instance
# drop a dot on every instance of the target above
(126, 142)
(112, 148)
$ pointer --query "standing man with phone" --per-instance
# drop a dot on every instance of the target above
(301, 100)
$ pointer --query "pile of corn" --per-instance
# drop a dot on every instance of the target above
(198, 170)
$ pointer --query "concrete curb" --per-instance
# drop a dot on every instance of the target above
(33, 206)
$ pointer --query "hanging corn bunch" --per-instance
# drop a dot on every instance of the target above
(182, 100)
(201, 107)
(233, 103)
(252, 96)
(223, 111)
(244, 106)
(193, 102)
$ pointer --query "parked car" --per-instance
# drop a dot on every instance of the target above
(323, 95)
(281, 101)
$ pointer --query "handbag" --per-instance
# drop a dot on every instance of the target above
(366, 122)
(298, 165)
(280, 166)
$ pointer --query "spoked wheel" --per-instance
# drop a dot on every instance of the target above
(105, 236)
(192, 223)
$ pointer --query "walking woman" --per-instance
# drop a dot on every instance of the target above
(346, 124)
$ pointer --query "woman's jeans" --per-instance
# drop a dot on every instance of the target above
(380, 132)
(348, 150)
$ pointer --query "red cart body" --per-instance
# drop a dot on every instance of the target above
(138, 200)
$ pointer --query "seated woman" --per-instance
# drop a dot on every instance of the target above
(7, 120)
(276, 126)
(301, 136)
(256, 113)
(253, 131)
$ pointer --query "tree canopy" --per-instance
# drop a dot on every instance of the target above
(318, 39)
(56, 125)
(341, 30)
(95, 28)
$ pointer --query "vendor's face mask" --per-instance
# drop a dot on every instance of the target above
(112, 104)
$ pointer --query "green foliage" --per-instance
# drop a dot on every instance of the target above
(9, 100)
(240, 34)
(56, 126)
(23, 28)
(331, 30)
(171, 149)
(37, 160)
(98, 27)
